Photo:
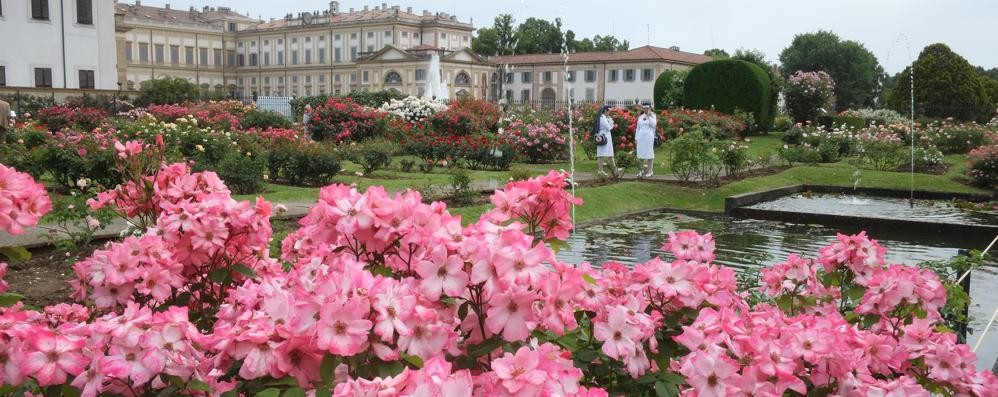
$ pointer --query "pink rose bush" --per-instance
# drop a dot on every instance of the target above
(537, 141)
(383, 294)
(22, 200)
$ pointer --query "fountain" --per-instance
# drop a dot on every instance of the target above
(435, 88)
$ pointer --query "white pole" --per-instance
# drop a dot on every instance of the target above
(985, 332)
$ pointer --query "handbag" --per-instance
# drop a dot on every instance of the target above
(600, 139)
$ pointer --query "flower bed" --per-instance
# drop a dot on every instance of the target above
(983, 166)
(537, 142)
(413, 110)
(343, 120)
(466, 116)
(60, 117)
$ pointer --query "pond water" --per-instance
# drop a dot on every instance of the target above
(747, 244)
(936, 211)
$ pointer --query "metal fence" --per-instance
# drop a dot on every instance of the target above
(550, 104)
(279, 104)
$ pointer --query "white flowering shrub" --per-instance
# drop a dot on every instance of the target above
(413, 109)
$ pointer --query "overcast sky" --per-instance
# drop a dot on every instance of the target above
(969, 27)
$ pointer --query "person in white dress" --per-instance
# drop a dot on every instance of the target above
(644, 136)
(605, 151)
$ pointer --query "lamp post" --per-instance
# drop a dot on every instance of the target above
(117, 96)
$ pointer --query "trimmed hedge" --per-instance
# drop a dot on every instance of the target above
(729, 84)
(854, 123)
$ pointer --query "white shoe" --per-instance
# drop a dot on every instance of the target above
(640, 175)
(649, 174)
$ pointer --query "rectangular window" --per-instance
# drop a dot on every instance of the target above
(612, 75)
(231, 58)
(43, 77)
(547, 77)
(217, 56)
(40, 11)
(353, 36)
(336, 37)
(266, 80)
(526, 77)
(365, 76)
(308, 39)
(336, 55)
(189, 55)
(85, 12)
(143, 52)
(175, 54)
(294, 57)
(322, 55)
(388, 33)
(128, 51)
(242, 60)
(370, 48)
(420, 74)
(252, 59)
(266, 42)
(509, 95)
(571, 76)
(370, 35)
(590, 94)
(266, 59)
(336, 78)
(203, 56)
(509, 78)
(353, 77)
(443, 35)
(232, 26)
(647, 74)
(405, 35)
(87, 79)
(3, 76)
(628, 74)
(294, 40)
(525, 95)
(590, 76)
(280, 57)
(322, 38)
(308, 57)
(353, 54)
(158, 52)
(322, 78)
(294, 79)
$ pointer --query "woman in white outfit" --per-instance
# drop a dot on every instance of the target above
(605, 151)
(644, 136)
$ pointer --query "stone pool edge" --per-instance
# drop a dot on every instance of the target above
(736, 206)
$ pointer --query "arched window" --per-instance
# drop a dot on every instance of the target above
(462, 79)
(393, 78)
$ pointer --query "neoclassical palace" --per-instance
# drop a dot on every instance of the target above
(105, 44)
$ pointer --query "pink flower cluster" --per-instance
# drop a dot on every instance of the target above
(537, 141)
(22, 200)
(542, 203)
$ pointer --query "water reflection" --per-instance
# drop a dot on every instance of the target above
(749, 243)
(939, 211)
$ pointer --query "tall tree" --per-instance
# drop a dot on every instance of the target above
(486, 42)
(503, 25)
(609, 43)
(855, 69)
(945, 86)
(584, 45)
(538, 36)
(717, 53)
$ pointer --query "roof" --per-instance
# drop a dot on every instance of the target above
(393, 14)
(191, 15)
(646, 53)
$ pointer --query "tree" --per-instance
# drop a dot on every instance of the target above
(486, 42)
(945, 86)
(503, 25)
(167, 90)
(758, 58)
(989, 73)
(717, 53)
(538, 36)
(668, 91)
(855, 69)
(609, 43)
(585, 45)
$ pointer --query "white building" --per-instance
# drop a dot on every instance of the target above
(616, 77)
(67, 44)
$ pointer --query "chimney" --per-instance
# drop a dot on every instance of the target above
(384, 6)
(138, 2)
(167, 6)
(366, 8)
(376, 8)
(674, 48)
(408, 9)
(205, 9)
(334, 7)
(351, 10)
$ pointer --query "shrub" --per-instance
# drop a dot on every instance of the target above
(844, 122)
(374, 99)
(466, 116)
(412, 109)
(243, 172)
(782, 123)
(807, 92)
(27, 103)
(343, 120)
(72, 156)
(373, 155)
(726, 85)
(59, 117)
(953, 138)
(734, 156)
(264, 119)
(983, 166)
(717, 125)
(946, 86)
(520, 173)
(881, 149)
(693, 155)
(876, 116)
(668, 90)
(298, 104)
(536, 142)
(799, 154)
(167, 90)
(304, 164)
(486, 152)
(460, 183)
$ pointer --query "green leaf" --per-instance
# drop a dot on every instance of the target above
(589, 279)
(269, 392)
(197, 385)
(586, 355)
(9, 299)
(662, 390)
(673, 378)
(462, 311)
(70, 391)
(385, 370)
(855, 292)
(244, 270)
(569, 341)
(220, 276)
(294, 392)
(414, 360)
(485, 347)
(167, 392)
(329, 363)
(16, 254)
(557, 245)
